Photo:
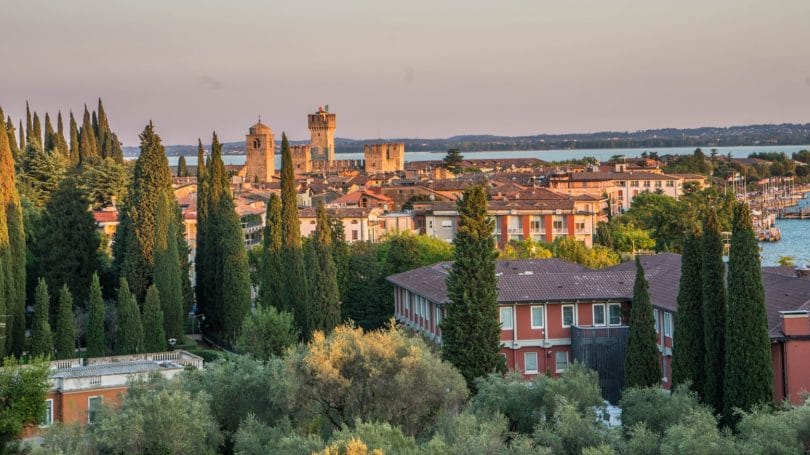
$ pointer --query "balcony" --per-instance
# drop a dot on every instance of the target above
(602, 350)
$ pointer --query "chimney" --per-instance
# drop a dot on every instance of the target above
(795, 323)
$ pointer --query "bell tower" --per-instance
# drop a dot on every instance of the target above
(322, 129)
(260, 146)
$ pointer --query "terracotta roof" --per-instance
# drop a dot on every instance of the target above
(355, 196)
(105, 216)
(338, 212)
(601, 176)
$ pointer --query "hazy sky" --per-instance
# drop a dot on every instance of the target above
(409, 68)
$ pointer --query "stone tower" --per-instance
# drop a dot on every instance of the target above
(260, 146)
(385, 157)
(322, 144)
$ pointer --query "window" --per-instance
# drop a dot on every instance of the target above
(558, 225)
(655, 318)
(407, 300)
(93, 404)
(634, 183)
(615, 311)
(438, 315)
(580, 227)
(47, 417)
(506, 318)
(530, 362)
(568, 315)
(536, 226)
(646, 183)
(561, 361)
(447, 223)
(538, 318)
(658, 184)
(355, 234)
(667, 324)
(670, 183)
(599, 314)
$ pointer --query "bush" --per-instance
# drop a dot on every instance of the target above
(656, 408)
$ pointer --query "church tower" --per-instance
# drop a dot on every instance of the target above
(260, 146)
(322, 144)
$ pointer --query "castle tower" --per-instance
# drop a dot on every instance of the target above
(260, 146)
(322, 129)
(385, 157)
(302, 163)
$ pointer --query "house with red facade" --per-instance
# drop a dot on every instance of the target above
(554, 312)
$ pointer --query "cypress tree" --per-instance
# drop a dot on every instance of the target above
(270, 269)
(50, 135)
(748, 380)
(95, 131)
(182, 168)
(134, 245)
(471, 329)
(203, 277)
(341, 255)
(226, 257)
(36, 131)
(74, 141)
(117, 153)
(65, 341)
(41, 336)
(641, 365)
(154, 338)
(128, 327)
(324, 292)
(61, 144)
(103, 134)
(294, 288)
(28, 123)
(688, 350)
(88, 150)
(183, 254)
(714, 311)
(95, 324)
(67, 250)
(12, 138)
(12, 251)
(22, 137)
(167, 270)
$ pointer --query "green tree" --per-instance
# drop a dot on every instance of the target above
(641, 365)
(75, 144)
(40, 174)
(22, 143)
(12, 252)
(471, 329)
(154, 337)
(267, 333)
(324, 292)
(95, 324)
(453, 160)
(22, 397)
(12, 139)
(88, 149)
(64, 342)
(270, 266)
(36, 131)
(50, 135)
(134, 247)
(105, 182)
(68, 243)
(748, 379)
(167, 269)
(41, 336)
(658, 409)
(294, 286)
(204, 281)
(182, 168)
(688, 350)
(367, 293)
(59, 138)
(103, 132)
(715, 311)
(341, 254)
(129, 329)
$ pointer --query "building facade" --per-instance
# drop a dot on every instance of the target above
(322, 126)
(385, 157)
(302, 161)
(260, 147)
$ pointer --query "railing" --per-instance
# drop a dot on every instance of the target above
(179, 357)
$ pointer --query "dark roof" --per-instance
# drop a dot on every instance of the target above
(784, 293)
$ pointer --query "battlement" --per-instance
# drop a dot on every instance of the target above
(322, 131)
(302, 162)
(322, 120)
(384, 157)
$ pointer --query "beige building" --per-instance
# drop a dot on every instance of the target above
(620, 187)
(260, 146)
(322, 129)
(359, 224)
(302, 161)
(385, 157)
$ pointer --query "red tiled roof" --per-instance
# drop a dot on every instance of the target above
(105, 216)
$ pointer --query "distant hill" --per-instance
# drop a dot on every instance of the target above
(781, 134)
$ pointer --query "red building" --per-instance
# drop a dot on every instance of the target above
(554, 312)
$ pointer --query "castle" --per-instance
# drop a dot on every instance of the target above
(382, 158)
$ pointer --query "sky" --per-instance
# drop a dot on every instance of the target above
(413, 68)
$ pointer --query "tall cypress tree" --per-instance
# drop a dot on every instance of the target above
(103, 133)
(95, 324)
(12, 138)
(184, 257)
(128, 327)
(29, 126)
(22, 137)
(75, 146)
(714, 311)
(154, 338)
(88, 149)
(203, 276)
(270, 269)
(341, 255)
(688, 350)
(167, 270)
(50, 135)
(471, 330)
(294, 287)
(41, 336)
(67, 250)
(748, 380)
(324, 292)
(12, 251)
(61, 144)
(65, 341)
(182, 167)
(134, 245)
(36, 131)
(641, 365)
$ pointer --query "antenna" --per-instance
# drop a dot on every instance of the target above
(260, 118)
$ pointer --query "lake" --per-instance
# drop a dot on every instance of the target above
(795, 241)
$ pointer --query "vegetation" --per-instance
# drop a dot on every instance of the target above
(41, 336)
(129, 329)
(64, 343)
(94, 336)
(154, 337)
(715, 312)
(641, 365)
(688, 351)
(22, 397)
(324, 292)
(266, 333)
(471, 329)
(270, 270)
(453, 160)
(564, 248)
(167, 272)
